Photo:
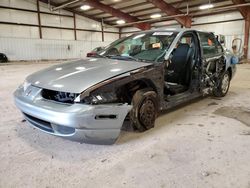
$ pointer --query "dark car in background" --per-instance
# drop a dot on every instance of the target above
(3, 58)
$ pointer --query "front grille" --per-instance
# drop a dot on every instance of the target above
(48, 127)
(58, 96)
(41, 124)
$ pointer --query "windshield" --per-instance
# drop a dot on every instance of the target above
(150, 46)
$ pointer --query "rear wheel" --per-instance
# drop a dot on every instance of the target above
(223, 85)
(145, 109)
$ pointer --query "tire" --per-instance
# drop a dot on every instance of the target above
(223, 86)
(145, 109)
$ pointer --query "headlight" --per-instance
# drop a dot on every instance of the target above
(98, 98)
(26, 85)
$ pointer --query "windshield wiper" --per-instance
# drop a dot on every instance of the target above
(120, 57)
(98, 55)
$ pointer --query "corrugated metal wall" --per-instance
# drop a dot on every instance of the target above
(37, 49)
(20, 42)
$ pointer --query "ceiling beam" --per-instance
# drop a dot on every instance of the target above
(243, 10)
(117, 13)
(171, 11)
(73, 11)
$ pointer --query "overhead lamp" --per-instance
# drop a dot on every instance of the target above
(85, 7)
(120, 22)
(206, 6)
(155, 16)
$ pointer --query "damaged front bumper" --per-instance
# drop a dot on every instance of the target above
(95, 124)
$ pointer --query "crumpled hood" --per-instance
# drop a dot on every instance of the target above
(77, 76)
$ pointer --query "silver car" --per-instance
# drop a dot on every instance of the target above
(133, 78)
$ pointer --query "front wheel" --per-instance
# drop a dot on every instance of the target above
(223, 85)
(145, 109)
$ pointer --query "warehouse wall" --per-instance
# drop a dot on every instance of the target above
(231, 29)
(223, 25)
(22, 42)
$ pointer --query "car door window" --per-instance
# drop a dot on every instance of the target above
(210, 44)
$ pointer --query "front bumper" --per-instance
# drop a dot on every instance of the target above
(96, 124)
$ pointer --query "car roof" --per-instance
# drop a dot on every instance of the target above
(179, 30)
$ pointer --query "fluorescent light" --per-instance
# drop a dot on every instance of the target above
(207, 6)
(120, 22)
(85, 7)
(155, 16)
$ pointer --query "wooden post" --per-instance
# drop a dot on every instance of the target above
(39, 19)
(246, 36)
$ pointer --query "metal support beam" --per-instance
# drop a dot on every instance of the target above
(74, 17)
(39, 19)
(117, 13)
(64, 5)
(170, 11)
(243, 10)
(246, 36)
(71, 10)
(102, 31)
(120, 33)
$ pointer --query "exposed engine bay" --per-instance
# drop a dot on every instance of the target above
(212, 71)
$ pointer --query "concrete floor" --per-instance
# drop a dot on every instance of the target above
(203, 144)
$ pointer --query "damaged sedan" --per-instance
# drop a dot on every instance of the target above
(134, 78)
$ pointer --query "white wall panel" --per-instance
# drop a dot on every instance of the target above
(5, 15)
(23, 17)
(25, 4)
(5, 3)
(49, 33)
(111, 37)
(113, 29)
(6, 31)
(50, 20)
(67, 22)
(96, 36)
(85, 23)
(84, 35)
(37, 49)
(23, 43)
(67, 34)
(18, 31)
(17, 16)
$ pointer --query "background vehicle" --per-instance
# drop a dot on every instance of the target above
(3, 58)
(137, 77)
(94, 51)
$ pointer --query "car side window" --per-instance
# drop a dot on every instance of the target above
(210, 44)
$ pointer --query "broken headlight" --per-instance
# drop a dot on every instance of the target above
(24, 85)
(98, 98)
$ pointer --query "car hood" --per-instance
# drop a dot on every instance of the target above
(77, 76)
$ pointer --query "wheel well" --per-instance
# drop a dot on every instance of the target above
(126, 92)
